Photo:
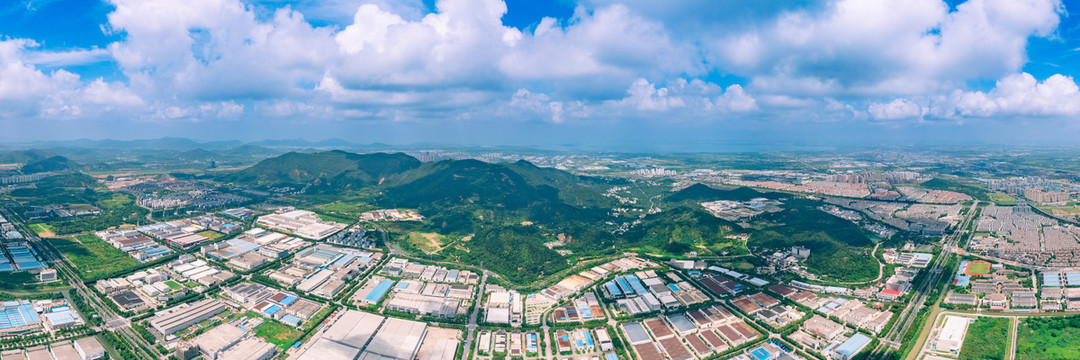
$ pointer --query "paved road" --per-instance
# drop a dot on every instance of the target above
(1012, 347)
(471, 329)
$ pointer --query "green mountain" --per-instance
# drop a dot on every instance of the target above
(249, 150)
(682, 229)
(54, 164)
(22, 156)
(838, 248)
(515, 252)
(702, 192)
(198, 154)
(513, 186)
(325, 171)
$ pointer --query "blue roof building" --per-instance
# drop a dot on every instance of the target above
(852, 346)
(379, 291)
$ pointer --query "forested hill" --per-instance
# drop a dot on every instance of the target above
(702, 192)
(325, 171)
(510, 186)
(51, 164)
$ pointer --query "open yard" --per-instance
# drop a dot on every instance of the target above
(1046, 338)
(428, 242)
(94, 258)
(277, 333)
(987, 339)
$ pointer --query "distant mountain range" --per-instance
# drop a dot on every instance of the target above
(50, 164)
(702, 192)
(326, 171)
(175, 143)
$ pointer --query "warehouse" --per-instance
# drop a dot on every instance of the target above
(18, 317)
(951, 336)
(181, 317)
(397, 339)
(849, 348)
(89, 348)
(373, 291)
(214, 342)
(251, 348)
(324, 349)
(300, 222)
(353, 328)
(425, 305)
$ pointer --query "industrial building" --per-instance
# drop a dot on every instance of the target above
(373, 291)
(848, 349)
(18, 317)
(180, 317)
(139, 246)
(359, 335)
(951, 336)
(251, 348)
(396, 339)
(89, 348)
(302, 223)
(230, 342)
(280, 305)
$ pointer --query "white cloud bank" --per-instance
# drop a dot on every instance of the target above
(203, 60)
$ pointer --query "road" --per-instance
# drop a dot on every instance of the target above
(1012, 347)
(471, 329)
(892, 340)
(113, 321)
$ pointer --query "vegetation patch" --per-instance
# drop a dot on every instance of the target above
(1045, 338)
(94, 258)
(43, 230)
(1002, 199)
(987, 339)
(277, 333)
(427, 241)
(25, 281)
(976, 192)
(839, 250)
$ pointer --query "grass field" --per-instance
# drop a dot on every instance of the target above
(274, 332)
(987, 339)
(173, 285)
(1049, 338)
(213, 235)
(1002, 199)
(336, 219)
(978, 267)
(43, 230)
(94, 258)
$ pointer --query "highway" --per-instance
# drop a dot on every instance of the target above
(891, 340)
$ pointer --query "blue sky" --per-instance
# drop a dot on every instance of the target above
(607, 73)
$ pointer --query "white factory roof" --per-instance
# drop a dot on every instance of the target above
(354, 328)
(324, 349)
(397, 340)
